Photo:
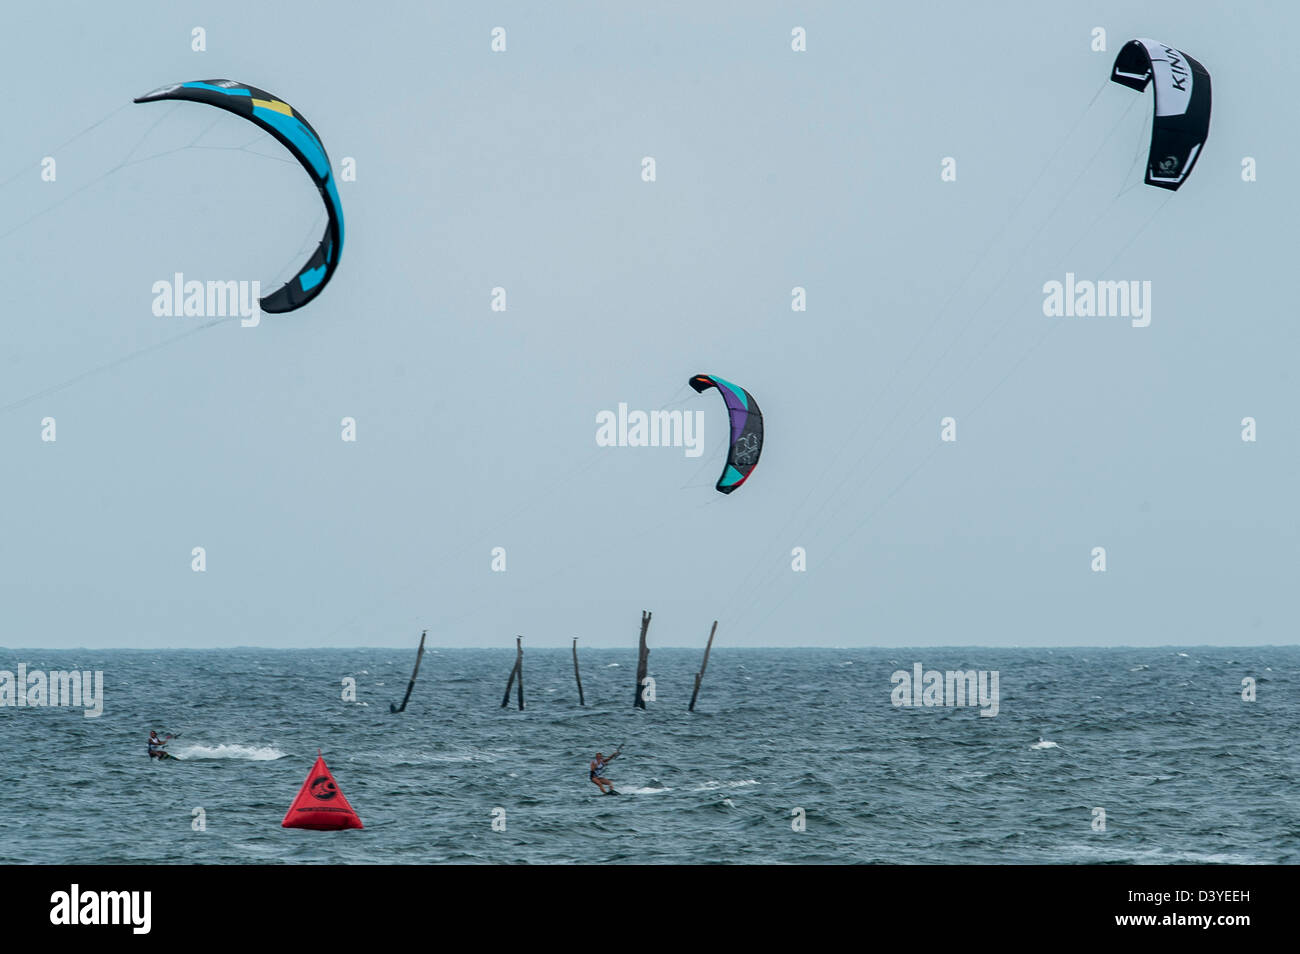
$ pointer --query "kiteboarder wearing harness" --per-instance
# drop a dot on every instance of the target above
(597, 772)
(157, 746)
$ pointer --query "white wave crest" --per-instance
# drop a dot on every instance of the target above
(250, 753)
(713, 785)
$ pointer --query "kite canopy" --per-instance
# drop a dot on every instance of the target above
(1182, 115)
(288, 126)
(746, 430)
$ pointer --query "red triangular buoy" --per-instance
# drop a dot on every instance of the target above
(320, 804)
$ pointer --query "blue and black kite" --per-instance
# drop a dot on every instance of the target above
(288, 126)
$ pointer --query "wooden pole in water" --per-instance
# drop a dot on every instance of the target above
(414, 672)
(642, 660)
(510, 683)
(519, 668)
(703, 666)
(576, 674)
(514, 671)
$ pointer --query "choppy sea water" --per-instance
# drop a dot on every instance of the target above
(1160, 739)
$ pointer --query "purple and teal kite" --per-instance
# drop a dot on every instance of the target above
(746, 430)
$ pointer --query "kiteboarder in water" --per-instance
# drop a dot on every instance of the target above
(157, 746)
(597, 772)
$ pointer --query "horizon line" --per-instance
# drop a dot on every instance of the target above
(567, 647)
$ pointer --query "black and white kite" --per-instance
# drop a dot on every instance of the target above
(1182, 116)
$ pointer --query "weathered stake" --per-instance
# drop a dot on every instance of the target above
(516, 672)
(642, 661)
(576, 675)
(703, 666)
(519, 668)
(414, 672)
(505, 700)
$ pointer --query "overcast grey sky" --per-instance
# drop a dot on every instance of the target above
(476, 429)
